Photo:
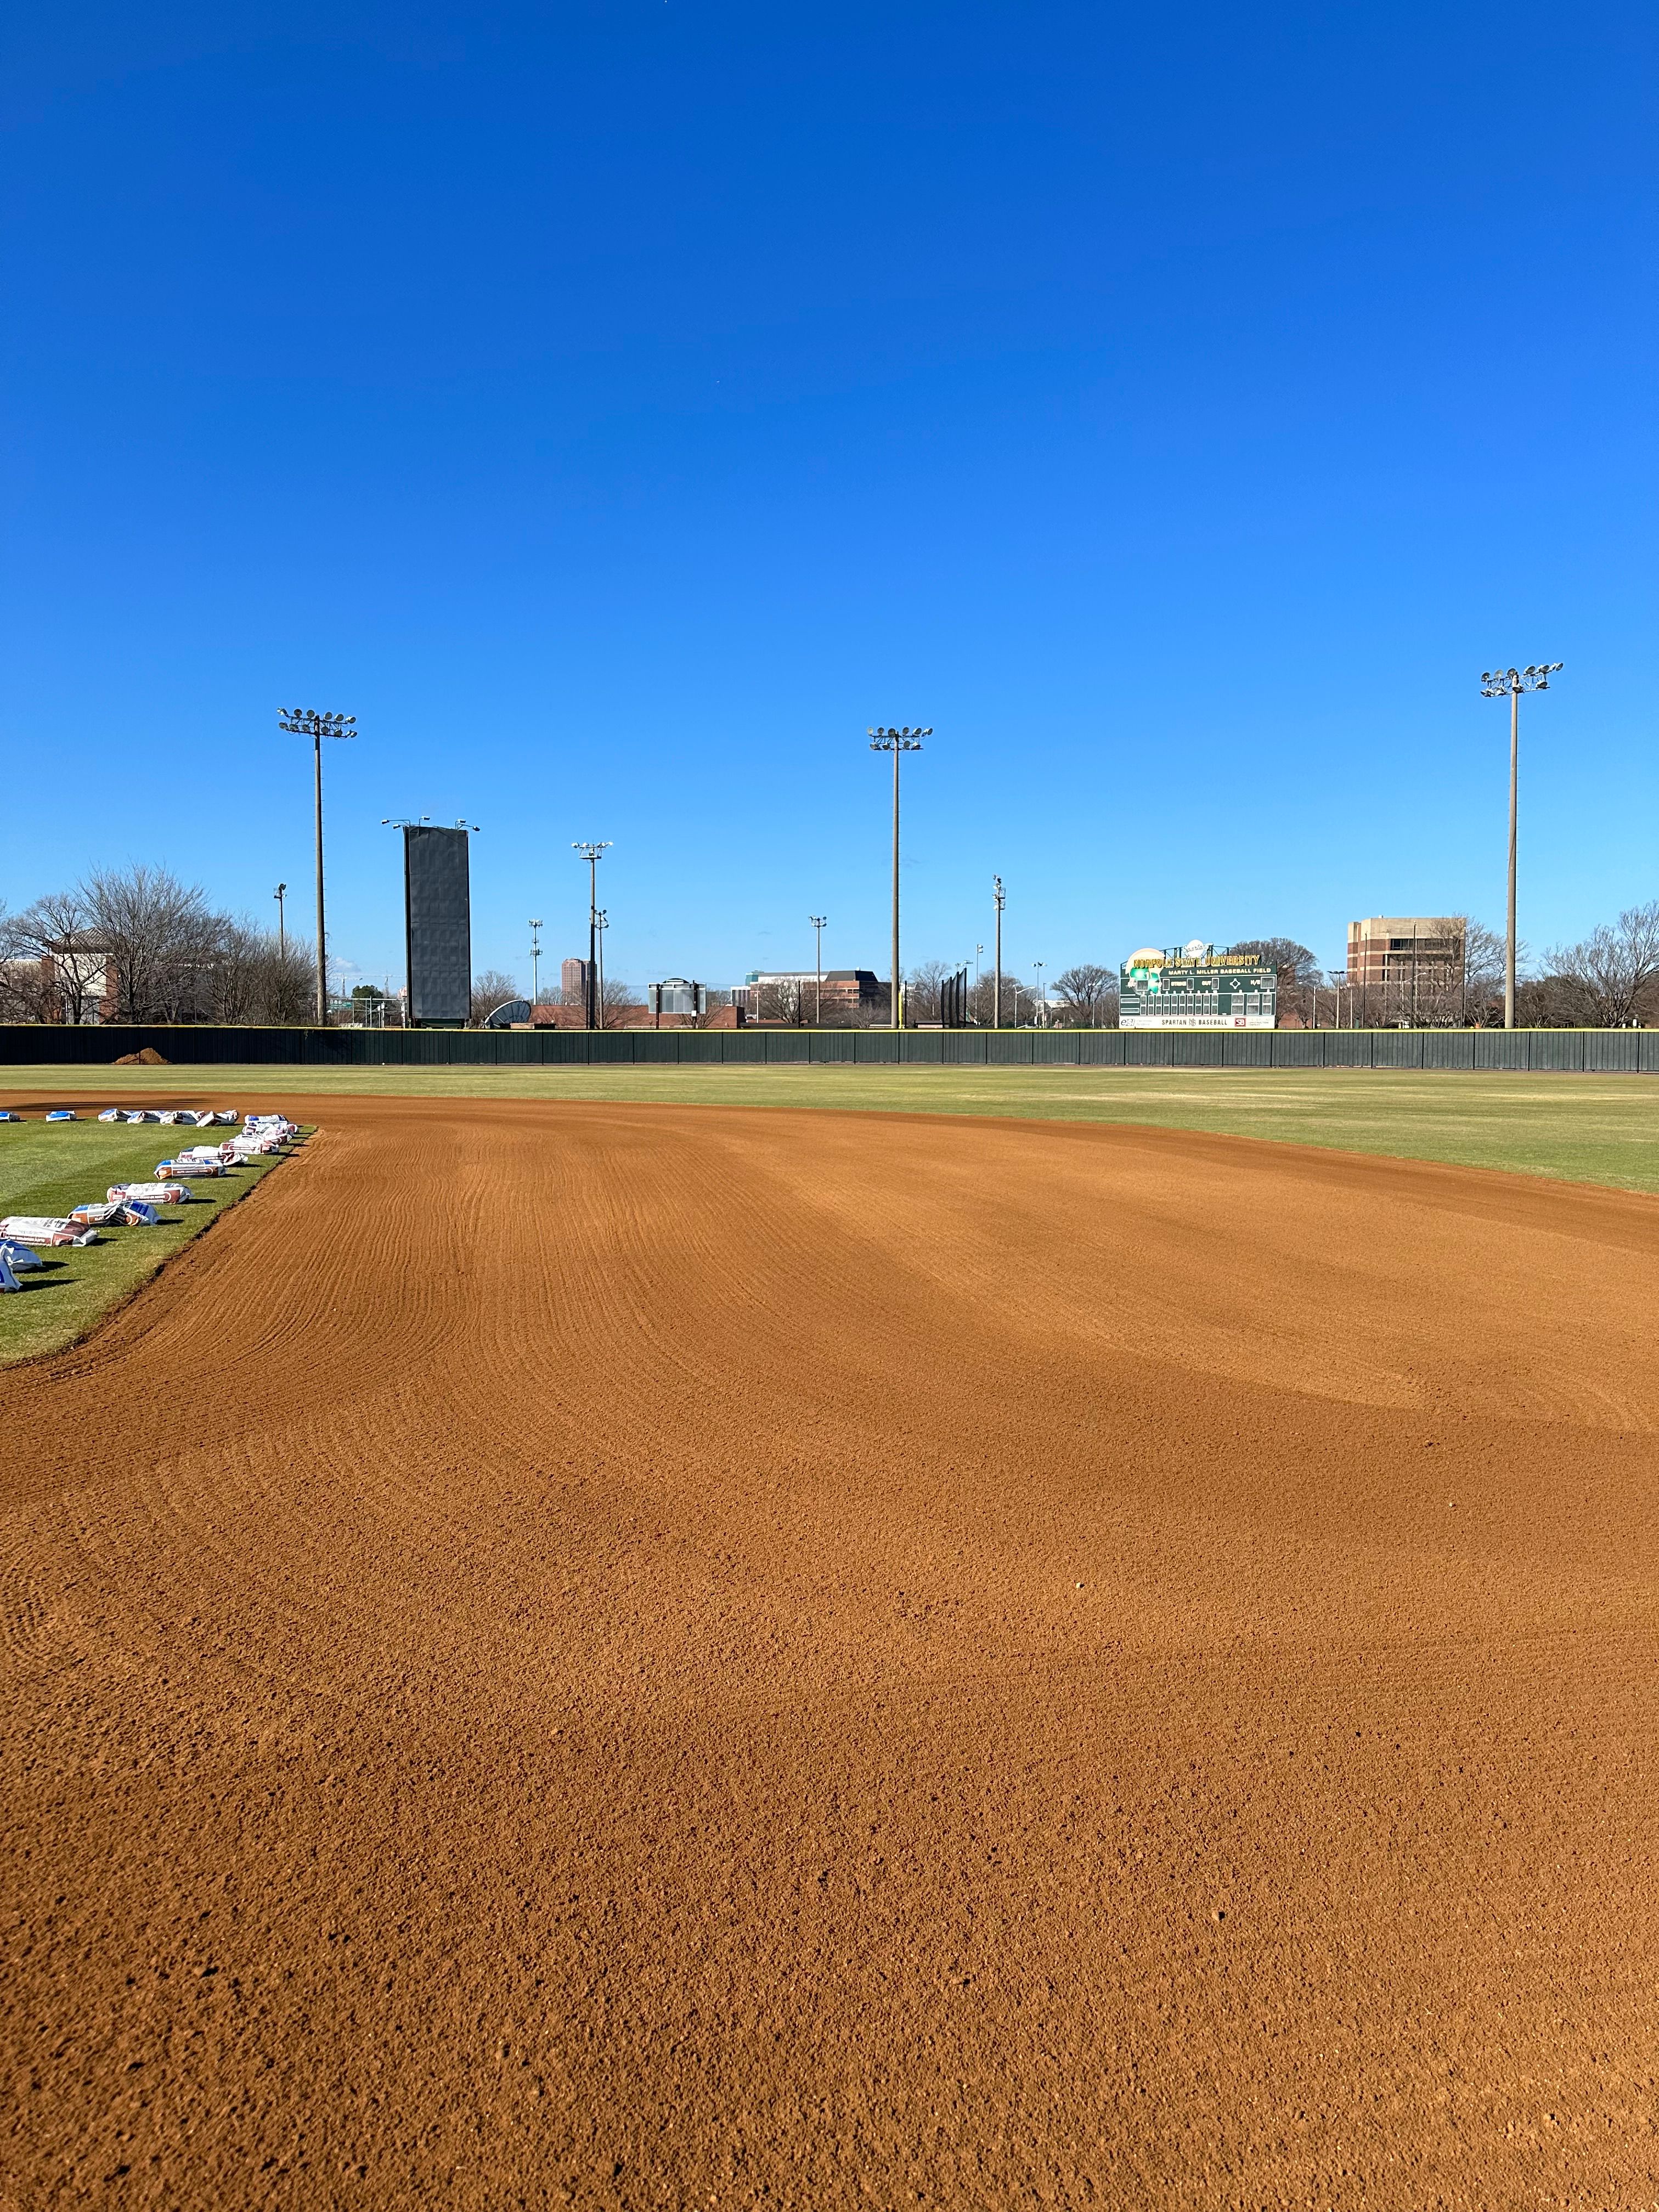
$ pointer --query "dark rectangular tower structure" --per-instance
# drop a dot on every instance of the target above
(437, 926)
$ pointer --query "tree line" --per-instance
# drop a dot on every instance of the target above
(135, 945)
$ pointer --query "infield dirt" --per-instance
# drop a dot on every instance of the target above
(637, 1656)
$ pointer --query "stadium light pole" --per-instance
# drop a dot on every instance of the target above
(279, 895)
(1001, 898)
(818, 920)
(535, 962)
(592, 853)
(1511, 682)
(601, 923)
(895, 742)
(307, 722)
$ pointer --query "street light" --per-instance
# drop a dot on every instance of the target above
(592, 853)
(1511, 682)
(307, 722)
(535, 965)
(1042, 1018)
(279, 895)
(818, 922)
(1001, 898)
(895, 742)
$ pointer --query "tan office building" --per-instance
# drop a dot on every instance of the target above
(1406, 951)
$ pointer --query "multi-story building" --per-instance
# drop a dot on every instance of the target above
(573, 981)
(795, 994)
(1406, 955)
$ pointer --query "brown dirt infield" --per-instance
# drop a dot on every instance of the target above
(656, 1657)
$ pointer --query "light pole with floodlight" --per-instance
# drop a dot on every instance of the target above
(592, 853)
(1001, 899)
(535, 964)
(818, 922)
(1511, 682)
(280, 893)
(307, 722)
(895, 742)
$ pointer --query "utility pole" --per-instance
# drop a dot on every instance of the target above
(818, 921)
(307, 722)
(535, 966)
(590, 853)
(279, 895)
(895, 742)
(1001, 898)
(601, 923)
(1495, 683)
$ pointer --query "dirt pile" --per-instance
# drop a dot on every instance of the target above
(147, 1056)
(654, 1657)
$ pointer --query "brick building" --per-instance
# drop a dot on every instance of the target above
(1404, 954)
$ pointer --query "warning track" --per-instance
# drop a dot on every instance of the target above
(638, 1656)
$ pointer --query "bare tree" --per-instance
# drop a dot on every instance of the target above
(257, 976)
(1083, 991)
(489, 990)
(924, 991)
(71, 968)
(617, 994)
(1614, 971)
(162, 940)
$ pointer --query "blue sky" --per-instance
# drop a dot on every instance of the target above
(619, 406)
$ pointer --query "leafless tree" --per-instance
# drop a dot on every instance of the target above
(1084, 990)
(924, 992)
(162, 940)
(256, 976)
(617, 994)
(1614, 971)
(489, 990)
(982, 998)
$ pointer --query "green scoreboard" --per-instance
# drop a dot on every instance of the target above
(1195, 987)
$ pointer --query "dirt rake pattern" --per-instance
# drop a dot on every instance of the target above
(641, 1658)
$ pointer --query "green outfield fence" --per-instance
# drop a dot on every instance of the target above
(1596, 1052)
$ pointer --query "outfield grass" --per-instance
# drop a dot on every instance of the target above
(49, 1170)
(1584, 1128)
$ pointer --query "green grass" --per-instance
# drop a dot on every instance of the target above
(1581, 1129)
(49, 1170)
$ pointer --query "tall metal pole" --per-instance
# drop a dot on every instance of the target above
(1495, 683)
(895, 742)
(322, 953)
(1001, 898)
(600, 925)
(899, 1006)
(280, 893)
(591, 850)
(308, 722)
(818, 922)
(535, 963)
(1515, 810)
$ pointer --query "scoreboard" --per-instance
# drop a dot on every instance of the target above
(1196, 988)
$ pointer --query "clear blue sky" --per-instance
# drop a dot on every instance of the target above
(618, 406)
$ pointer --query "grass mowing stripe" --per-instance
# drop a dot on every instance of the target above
(49, 1169)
